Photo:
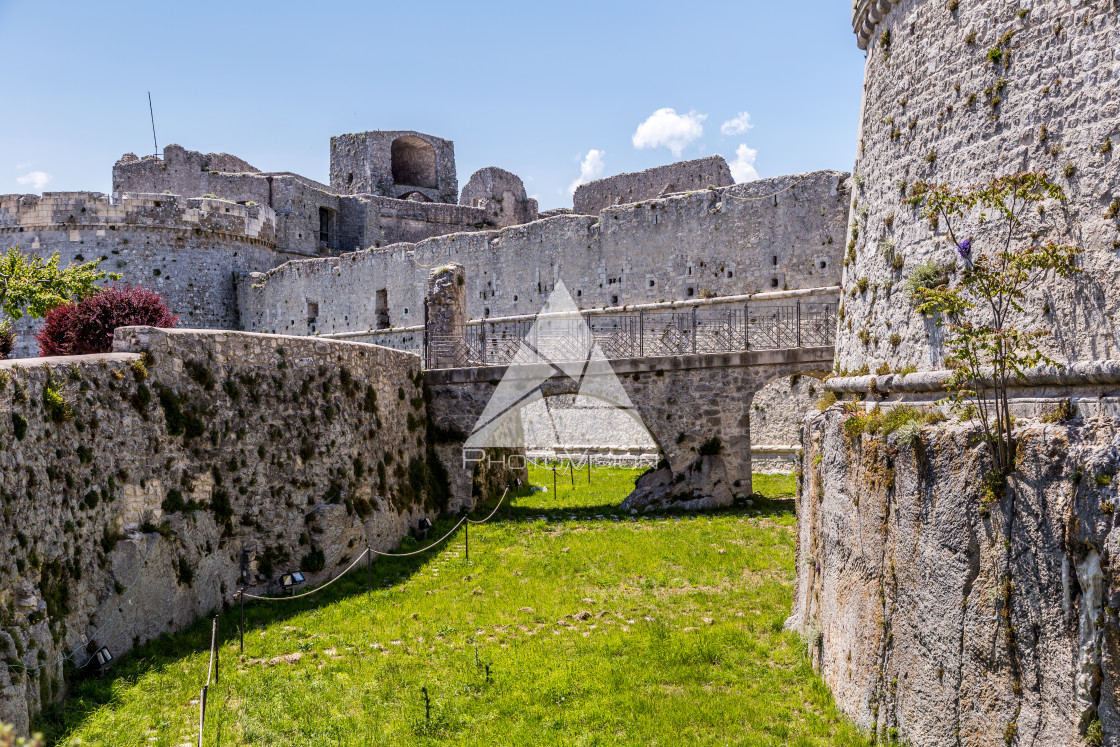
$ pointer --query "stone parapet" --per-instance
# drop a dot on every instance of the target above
(164, 476)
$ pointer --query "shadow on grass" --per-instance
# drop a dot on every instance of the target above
(89, 693)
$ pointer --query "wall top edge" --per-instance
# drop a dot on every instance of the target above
(1082, 373)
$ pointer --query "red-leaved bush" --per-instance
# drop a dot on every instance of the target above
(7, 340)
(87, 326)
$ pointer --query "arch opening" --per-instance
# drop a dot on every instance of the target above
(413, 162)
(777, 410)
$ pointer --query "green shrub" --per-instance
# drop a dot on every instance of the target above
(220, 505)
(174, 502)
(19, 426)
(183, 572)
(57, 409)
(1094, 735)
(928, 274)
(201, 374)
(313, 562)
(711, 447)
(1063, 413)
(882, 423)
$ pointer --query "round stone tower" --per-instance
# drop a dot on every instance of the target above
(962, 91)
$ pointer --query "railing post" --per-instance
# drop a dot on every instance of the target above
(799, 323)
(746, 326)
(641, 334)
(694, 330)
(482, 341)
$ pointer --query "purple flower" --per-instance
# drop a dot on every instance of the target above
(965, 248)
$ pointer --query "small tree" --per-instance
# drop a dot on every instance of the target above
(988, 350)
(32, 285)
(87, 326)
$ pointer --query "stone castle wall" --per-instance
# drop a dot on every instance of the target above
(776, 414)
(170, 470)
(364, 163)
(713, 242)
(353, 221)
(502, 194)
(591, 198)
(948, 616)
(935, 108)
(188, 250)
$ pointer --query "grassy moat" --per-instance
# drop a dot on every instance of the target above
(597, 628)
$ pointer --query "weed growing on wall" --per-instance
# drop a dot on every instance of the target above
(988, 350)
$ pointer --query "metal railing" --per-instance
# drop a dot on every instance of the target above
(724, 328)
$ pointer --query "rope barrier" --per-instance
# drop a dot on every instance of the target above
(316, 590)
(491, 516)
(370, 550)
(423, 549)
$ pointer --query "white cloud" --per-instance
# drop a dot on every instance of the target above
(666, 127)
(738, 125)
(742, 168)
(590, 169)
(37, 179)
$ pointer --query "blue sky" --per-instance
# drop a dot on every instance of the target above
(530, 87)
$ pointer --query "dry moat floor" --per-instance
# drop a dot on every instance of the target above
(598, 628)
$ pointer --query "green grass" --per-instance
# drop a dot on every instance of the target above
(659, 630)
(775, 486)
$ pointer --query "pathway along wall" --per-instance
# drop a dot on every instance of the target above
(140, 480)
(936, 108)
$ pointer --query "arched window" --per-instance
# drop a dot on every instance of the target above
(414, 162)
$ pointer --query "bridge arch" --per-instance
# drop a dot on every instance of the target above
(695, 407)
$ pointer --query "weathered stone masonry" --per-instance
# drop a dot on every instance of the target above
(953, 617)
(593, 197)
(188, 250)
(932, 111)
(173, 458)
(712, 242)
(949, 615)
(683, 401)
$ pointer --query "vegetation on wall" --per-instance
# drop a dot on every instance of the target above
(988, 349)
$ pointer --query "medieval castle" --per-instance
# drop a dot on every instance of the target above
(933, 609)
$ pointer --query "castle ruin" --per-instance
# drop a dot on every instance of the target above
(936, 610)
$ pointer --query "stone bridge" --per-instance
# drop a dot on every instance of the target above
(696, 407)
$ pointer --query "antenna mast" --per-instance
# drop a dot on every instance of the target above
(153, 115)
